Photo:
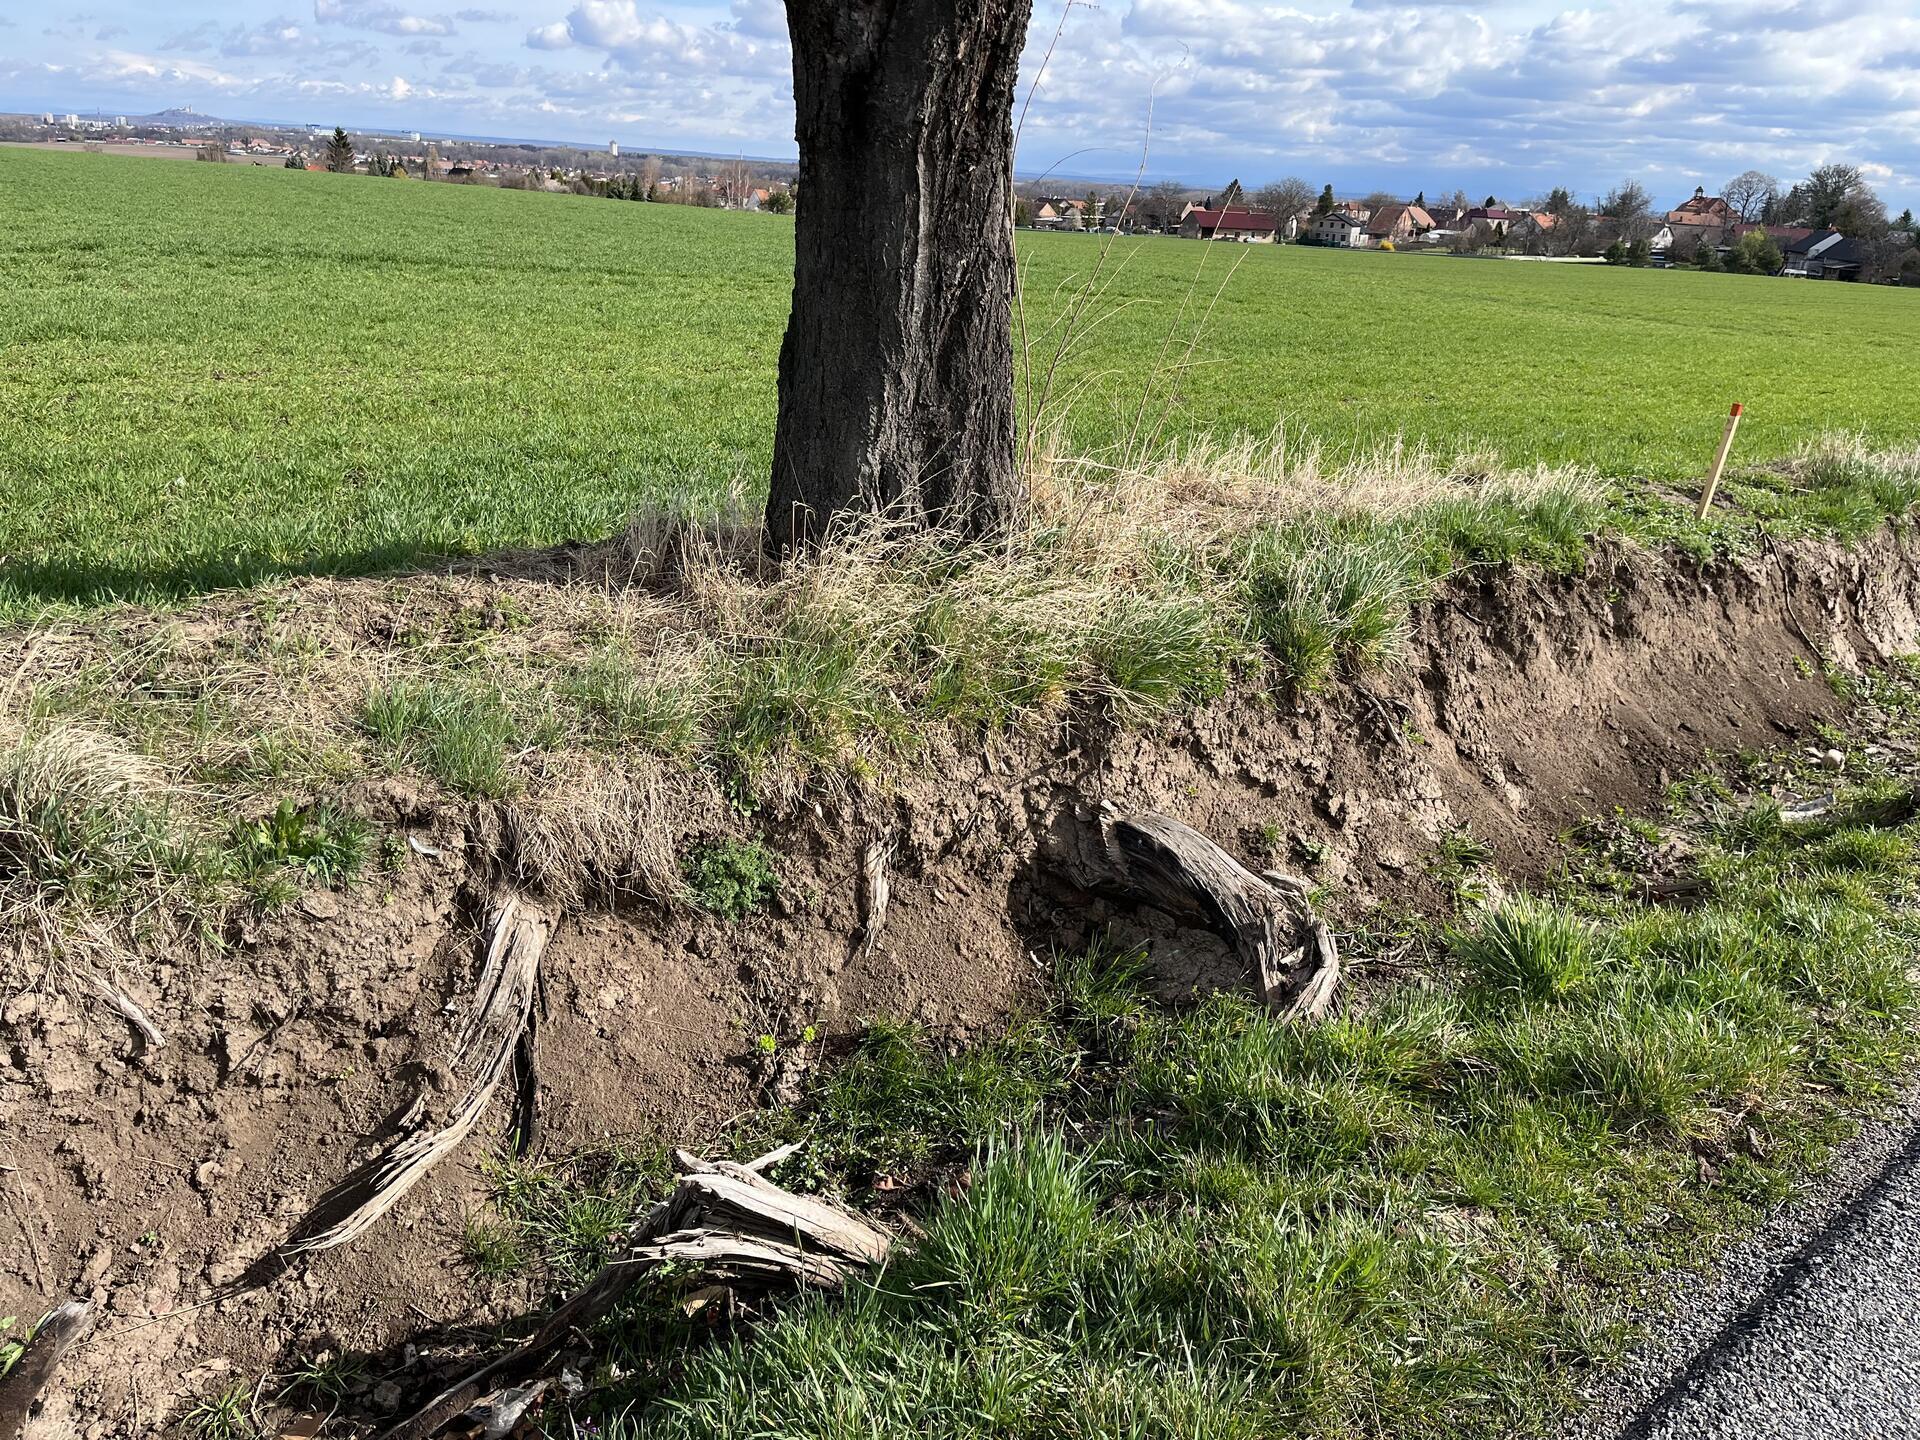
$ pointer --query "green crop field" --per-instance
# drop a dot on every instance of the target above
(211, 374)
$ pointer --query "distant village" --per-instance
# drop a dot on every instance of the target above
(734, 184)
(1829, 226)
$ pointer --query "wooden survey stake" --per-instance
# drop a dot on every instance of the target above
(1719, 463)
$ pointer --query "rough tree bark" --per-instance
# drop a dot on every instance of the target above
(896, 376)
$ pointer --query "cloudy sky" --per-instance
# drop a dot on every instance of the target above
(1492, 95)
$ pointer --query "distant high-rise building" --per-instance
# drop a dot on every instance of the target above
(71, 121)
(47, 119)
(414, 135)
(119, 122)
(613, 148)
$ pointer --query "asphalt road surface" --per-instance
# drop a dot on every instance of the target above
(1814, 1331)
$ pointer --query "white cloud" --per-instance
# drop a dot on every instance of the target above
(384, 18)
(746, 44)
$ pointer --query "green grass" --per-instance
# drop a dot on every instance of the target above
(217, 373)
(559, 1220)
(227, 1415)
(95, 855)
(1431, 1215)
(317, 841)
(459, 734)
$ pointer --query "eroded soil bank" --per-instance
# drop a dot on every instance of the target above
(148, 1177)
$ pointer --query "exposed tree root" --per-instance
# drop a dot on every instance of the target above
(1266, 919)
(65, 1326)
(738, 1226)
(485, 1050)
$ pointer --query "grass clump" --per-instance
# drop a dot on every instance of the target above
(12, 1347)
(1527, 948)
(732, 878)
(225, 1416)
(1852, 487)
(95, 857)
(490, 1248)
(810, 694)
(622, 707)
(1316, 595)
(560, 1220)
(459, 734)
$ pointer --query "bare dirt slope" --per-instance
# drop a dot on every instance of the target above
(149, 1177)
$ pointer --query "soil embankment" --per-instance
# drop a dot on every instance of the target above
(147, 1177)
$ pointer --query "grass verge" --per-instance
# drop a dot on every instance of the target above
(1427, 1216)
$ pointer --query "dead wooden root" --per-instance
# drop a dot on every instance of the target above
(130, 1012)
(485, 1049)
(21, 1388)
(1267, 919)
(874, 889)
(740, 1228)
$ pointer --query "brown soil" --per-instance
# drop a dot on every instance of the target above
(148, 1178)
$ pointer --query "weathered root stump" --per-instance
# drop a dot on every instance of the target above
(1267, 919)
(740, 1229)
(65, 1326)
(494, 1032)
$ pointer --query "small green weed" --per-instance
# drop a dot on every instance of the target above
(732, 878)
(325, 844)
(11, 1348)
(225, 1416)
(327, 1377)
(1459, 853)
(491, 1248)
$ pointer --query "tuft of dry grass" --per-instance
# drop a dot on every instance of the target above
(592, 828)
(95, 856)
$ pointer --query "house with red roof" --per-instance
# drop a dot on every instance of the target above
(1703, 209)
(1398, 224)
(1246, 226)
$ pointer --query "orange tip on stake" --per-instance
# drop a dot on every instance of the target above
(1720, 461)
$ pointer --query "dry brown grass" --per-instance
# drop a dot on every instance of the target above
(99, 855)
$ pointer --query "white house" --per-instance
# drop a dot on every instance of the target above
(1339, 230)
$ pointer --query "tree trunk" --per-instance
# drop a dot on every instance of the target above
(896, 376)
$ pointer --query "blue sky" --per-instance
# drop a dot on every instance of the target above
(1508, 96)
